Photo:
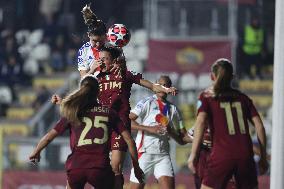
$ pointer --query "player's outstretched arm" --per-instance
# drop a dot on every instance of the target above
(157, 130)
(261, 135)
(134, 156)
(158, 88)
(198, 134)
(44, 141)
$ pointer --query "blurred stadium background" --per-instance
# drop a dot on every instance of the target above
(39, 40)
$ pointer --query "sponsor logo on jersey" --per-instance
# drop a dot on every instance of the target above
(110, 85)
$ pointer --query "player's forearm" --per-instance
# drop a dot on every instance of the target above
(262, 140)
(198, 134)
(131, 146)
(147, 84)
(138, 127)
(85, 72)
(133, 152)
(261, 135)
(177, 137)
(159, 88)
(45, 140)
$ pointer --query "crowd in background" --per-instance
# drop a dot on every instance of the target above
(42, 37)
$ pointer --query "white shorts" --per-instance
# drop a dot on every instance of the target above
(157, 164)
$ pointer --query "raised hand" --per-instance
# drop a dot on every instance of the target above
(97, 63)
(117, 70)
(263, 166)
(34, 157)
(172, 90)
(56, 99)
(191, 166)
(157, 129)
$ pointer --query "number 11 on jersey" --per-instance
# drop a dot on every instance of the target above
(229, 116)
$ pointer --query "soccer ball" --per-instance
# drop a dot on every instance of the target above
(118, 35)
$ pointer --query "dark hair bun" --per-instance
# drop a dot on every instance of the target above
(95, 25)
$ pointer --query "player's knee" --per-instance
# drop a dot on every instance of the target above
(116, 168)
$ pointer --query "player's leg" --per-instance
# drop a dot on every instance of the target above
(76, 179)
(118, 150)
(205, 187)
(67, 185)
(201, 164)
(133, 185)
(218, 173)
(246, 176)
(101, 178)
(164, 172)
(166, 182)
(146, 163)
(117, 159)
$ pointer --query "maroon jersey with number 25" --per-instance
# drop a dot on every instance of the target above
(90, 141)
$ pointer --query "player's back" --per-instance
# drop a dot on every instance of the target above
(228, 121)
(90, 142)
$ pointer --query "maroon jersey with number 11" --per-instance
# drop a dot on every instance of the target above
(228, 122)
(232, 153)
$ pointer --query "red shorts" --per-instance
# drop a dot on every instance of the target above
(99, 178)
(201, 166)
(117, 141)
(219, 172)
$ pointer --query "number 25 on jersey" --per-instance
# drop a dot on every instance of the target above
(99, 122)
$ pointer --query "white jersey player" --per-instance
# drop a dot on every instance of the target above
(160, 120)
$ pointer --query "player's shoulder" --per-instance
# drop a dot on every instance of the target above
(241, 95)
(132, 73)
(146, 100)
(85, 46)
(207, 93)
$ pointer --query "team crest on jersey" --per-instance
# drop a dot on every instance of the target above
(134, 73)
(116, 145)
(140, 105)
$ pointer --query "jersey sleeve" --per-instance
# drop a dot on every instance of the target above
(61, 126)
(177, 118)
(134, 77)
(140, 108)
(81, 59)
(202, 104)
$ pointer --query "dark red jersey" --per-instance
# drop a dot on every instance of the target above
(115, 91)
(90, 142)
(228, 118)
